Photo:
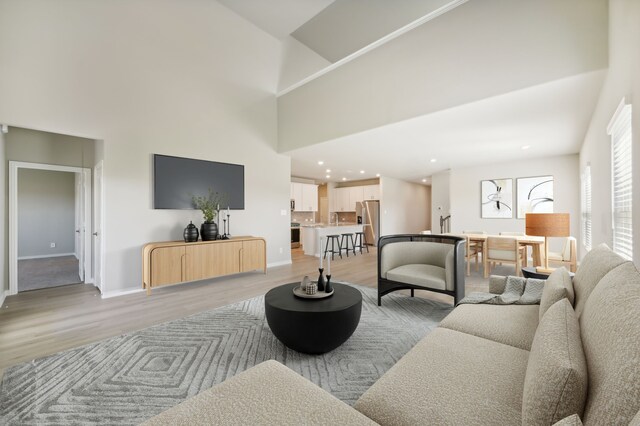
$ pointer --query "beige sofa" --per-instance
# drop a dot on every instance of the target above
(578, 352)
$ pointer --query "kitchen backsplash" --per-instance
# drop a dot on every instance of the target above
(311, 217)
(302, 217)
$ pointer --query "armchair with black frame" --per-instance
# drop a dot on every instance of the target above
(421, 262)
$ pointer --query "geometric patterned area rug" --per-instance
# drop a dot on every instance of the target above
(130, 378)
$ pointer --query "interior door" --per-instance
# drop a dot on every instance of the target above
(98, 227)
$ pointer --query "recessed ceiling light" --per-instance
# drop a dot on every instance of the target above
(328, 176)
(361, 172)
(321, 162)
(526, 146)
(328, 170)
(433, 160)
(424, 180)
(344, 178)
(377, 174)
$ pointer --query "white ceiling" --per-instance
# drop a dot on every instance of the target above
(551, 119)
(347, 26)
(277, 17)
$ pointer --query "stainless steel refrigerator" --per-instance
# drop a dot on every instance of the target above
(368, 212)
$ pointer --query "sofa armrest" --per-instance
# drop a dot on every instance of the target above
(497, 284)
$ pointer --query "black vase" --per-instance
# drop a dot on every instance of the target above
(190, 233)
(209, 231)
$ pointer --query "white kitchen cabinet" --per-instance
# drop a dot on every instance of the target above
(345, 199)
(309, 198)
(305, 196)
(371, 192)
(355, 196)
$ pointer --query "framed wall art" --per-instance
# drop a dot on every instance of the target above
(496, 199)
(534, 195)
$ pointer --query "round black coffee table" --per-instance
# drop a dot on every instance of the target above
(532, 272)
(313, 326)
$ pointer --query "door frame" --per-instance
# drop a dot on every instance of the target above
(97, 236)
(14, 166)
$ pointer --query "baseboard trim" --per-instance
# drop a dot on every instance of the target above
(281, 263)
(42, 256)
(110, 294)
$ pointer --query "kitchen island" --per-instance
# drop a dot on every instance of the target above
(311, 235)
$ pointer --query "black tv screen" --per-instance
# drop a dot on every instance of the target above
(177, 180)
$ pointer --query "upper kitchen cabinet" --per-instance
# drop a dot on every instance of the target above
(371, 192)
(355, 196)
(345, 198)
(305, 196)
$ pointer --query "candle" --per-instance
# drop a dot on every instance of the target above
(320, 251)
(228, 211)
(329, 265)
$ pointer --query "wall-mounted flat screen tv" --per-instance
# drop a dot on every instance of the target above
(176, 180)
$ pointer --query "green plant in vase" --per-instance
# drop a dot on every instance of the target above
(209, 205)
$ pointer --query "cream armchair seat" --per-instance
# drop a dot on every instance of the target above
(421, 262)
(568, 256)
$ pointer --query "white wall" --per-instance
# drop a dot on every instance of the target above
(623, 80)
(4, 214)
(35, 146)
(298, 63)
(477, 50)
(404, 207)
(46, 213)
(186, 78)
(440, 198)
(465, 193)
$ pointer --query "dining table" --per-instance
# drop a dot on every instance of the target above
(536, 244)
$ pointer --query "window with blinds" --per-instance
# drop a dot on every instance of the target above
(621, 171)
(586, 207)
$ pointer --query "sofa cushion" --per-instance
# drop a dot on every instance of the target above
(556, 382)
(557, 287)
(572, 420)
(266, 394)
(450, 377)
(513, 325)
(419, 274)
(610, 327)
(595, 265)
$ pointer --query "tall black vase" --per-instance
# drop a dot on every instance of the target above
(209, 231)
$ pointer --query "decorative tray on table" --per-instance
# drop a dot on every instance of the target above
(318, 295)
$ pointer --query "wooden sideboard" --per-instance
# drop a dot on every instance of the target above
(173, 262)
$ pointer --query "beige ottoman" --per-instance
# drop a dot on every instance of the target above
(266, 394)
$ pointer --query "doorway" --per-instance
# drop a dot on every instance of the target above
(50, 212)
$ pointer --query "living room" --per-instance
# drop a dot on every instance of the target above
(201, 80)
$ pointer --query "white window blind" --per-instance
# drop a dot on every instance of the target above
(586, 207)
(621, 173)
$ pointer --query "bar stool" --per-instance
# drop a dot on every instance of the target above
(334, 239)
(360, 242)
(344, 244)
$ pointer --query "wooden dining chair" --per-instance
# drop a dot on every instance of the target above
(474, 250)
(504, 250)
(568, 257)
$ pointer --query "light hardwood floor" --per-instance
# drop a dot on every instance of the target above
(43, 322)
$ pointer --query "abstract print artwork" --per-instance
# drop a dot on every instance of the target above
(534, 195)
(497, 199)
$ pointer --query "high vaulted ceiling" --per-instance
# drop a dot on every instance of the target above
(461, 82)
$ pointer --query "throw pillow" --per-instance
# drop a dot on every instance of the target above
(555, 384)
(558, 286)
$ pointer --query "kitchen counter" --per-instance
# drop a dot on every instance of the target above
(312, 234)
